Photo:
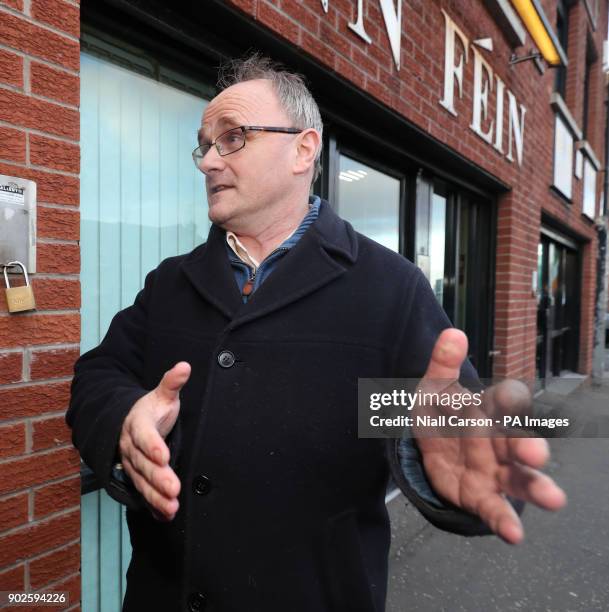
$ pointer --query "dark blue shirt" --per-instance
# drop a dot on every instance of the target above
(243, 272)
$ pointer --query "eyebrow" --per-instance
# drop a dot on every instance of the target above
(227, 120)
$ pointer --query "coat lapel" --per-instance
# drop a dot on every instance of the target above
(209, 270)
(323, 254)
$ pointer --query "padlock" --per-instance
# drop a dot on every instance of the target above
(19, 298)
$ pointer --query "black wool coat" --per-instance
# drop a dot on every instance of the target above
(282, 506)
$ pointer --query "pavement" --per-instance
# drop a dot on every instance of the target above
(563, 563)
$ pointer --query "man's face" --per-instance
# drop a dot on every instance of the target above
(244, 187)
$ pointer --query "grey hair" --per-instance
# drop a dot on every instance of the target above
(290, 87)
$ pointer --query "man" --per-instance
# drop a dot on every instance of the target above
(227, 392)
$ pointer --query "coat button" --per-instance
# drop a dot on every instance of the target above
(226, 359)
(202, 485)
(196, 602)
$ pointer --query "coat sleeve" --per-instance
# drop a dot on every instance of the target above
(107, 382)
(424, 320)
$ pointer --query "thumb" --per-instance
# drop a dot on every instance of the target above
(449, 352)
(173, 380)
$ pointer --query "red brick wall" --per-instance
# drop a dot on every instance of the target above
(414, 92)
(39, 140)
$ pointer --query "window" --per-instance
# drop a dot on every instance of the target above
(563, 157)
(591, 57)
(142, 200)
(589, 203)
(370, 201)
(562, 32)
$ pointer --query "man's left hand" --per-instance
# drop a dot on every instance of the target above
(476, 473)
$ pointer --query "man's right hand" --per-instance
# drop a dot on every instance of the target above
(144, 453)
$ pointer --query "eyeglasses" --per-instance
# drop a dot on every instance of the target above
(233, 140)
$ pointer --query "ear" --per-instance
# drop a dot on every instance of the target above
(307, 143)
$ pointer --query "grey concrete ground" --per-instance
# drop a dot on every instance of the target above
(563, 564)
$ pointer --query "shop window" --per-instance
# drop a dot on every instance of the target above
(589, 203)
(563, 157)
(370, 201)
(142, 200)
(437, 243)
(591, 57)
(562, 33)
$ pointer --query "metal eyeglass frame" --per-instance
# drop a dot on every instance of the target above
(196, 154)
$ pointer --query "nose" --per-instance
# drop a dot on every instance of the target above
(212, 161)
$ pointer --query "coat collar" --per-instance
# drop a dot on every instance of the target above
(321, 255)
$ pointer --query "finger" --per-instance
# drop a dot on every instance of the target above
(500, 516)
(163, 479)
(173, 380)
(449, 352)
(148, 440)
(508, 398)
(166, 507)
(531, 486)
(533, 452)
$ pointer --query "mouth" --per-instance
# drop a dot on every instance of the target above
(219, 188)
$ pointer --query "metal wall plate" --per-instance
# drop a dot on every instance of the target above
(18, 222)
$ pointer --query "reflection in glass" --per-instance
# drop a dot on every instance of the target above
(554, 287)
(462, 267)
(142, 199)
(437, 244)
(370, 201)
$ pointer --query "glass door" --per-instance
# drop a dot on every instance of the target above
(454, 250)
(557, 308)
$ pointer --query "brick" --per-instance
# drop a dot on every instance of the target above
(339, 43)
(58, 223)
(11, 367)
(39, 537)
(55, 154)
(50, 187)
(13, 579)
(25, 111)
(307, 18)
(12, 441)
(39, 42)
(277, 21)
(14, 511)
(247, 6)
(54, 566)
(56, 497)
(56, 294)
(72, 586)
(14, 4)
(318, 49)
(58, 258)
(36, 469)
(63, 16)
(51, 294)
(50, 433)
(363, 62)
(348, 71)
(56, 84)
(34, 400)
(27, 329)
(12, 145)
(11, 68)
(53, 363)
